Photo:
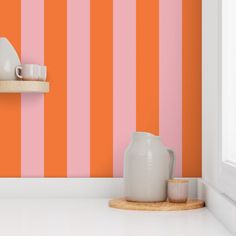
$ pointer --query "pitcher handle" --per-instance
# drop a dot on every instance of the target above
(172, 162)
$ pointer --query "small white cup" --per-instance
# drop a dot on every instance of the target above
(177, 190)
(31, 72)
(43, 73)
(28, 71)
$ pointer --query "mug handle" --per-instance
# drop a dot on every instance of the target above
(18, 69)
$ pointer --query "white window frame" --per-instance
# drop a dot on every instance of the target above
(227, 169)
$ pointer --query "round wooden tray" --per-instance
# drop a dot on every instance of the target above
(155, 206)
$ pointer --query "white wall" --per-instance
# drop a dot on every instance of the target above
(210, 89)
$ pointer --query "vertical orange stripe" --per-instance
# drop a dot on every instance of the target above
(10, 117)
(191, 88)
(55, 161)
(101, 87)
(147, 85)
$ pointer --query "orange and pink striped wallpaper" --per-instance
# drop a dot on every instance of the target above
(115, 66)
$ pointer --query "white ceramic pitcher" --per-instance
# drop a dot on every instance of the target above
(147, 167)
(8, 60)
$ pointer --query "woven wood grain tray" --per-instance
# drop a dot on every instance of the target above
(156, 206)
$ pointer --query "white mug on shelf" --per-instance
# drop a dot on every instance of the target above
(31, 72)
(43, 73)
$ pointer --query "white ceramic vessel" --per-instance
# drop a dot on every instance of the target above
(147, 167)
(177, 190)
(8, 60)
(28, 71)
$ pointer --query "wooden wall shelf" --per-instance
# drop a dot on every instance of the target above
(19, 86)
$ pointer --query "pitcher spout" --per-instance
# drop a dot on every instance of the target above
(144, 135)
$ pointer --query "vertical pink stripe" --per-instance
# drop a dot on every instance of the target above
(78, 88)
(124, 79)
(171, 77)
(32, 105)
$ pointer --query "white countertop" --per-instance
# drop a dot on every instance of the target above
(69, 217)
